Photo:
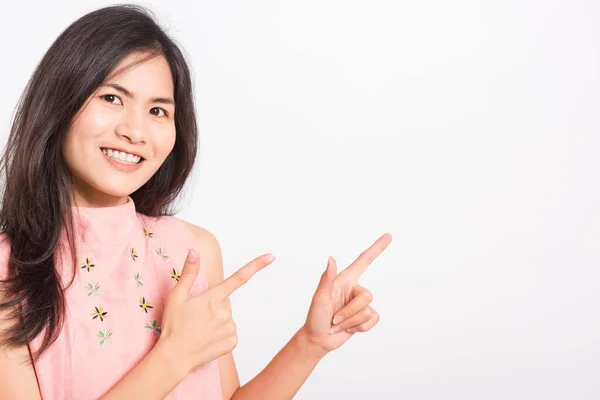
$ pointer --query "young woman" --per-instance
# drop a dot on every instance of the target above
(104, 293)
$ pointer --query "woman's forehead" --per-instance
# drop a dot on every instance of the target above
(147, 74)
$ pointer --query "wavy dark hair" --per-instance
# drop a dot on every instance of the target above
(37, 186)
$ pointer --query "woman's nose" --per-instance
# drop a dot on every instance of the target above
(132, 127)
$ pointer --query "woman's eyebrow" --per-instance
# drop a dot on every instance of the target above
(164, 100)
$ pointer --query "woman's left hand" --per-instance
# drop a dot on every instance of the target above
(340, 306)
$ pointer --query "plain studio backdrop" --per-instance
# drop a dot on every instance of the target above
(469, 130)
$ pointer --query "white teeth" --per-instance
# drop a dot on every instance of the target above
(121, 156)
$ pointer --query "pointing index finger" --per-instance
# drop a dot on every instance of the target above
(242, 275)
(356, 269)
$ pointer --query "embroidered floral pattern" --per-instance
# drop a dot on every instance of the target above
(153, 328)
(93, 289)
(133, 254)
(175, 275)
(161, 252)
(145, 305)
(123, 254)
(88, 265)
(99, 313)
(105, 337)
(138, 279)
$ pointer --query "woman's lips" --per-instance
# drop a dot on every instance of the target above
(122, 166)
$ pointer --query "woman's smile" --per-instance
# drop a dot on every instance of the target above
(125, 162)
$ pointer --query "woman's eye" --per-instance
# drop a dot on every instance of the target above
(111, 98)
(157, 110)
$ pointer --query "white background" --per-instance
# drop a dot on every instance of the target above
(469, 130)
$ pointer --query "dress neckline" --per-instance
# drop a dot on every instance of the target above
(106, 225)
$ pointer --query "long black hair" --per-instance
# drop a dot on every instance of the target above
(37, 186)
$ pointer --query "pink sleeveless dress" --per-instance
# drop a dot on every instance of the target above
(127, 265)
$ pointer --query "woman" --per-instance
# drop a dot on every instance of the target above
(104, 292)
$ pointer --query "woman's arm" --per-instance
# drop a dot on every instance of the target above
(153, 378)
(17, 376)
(285, 374)
(337, 295)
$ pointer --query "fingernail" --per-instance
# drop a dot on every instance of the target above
(270, 258)
(351, 330)
(335, 329)
(192, 256)
(337, 319)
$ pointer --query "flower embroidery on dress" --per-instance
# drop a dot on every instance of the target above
(134, 254)
(93, 289)
(153, 328)
(99, 313)
(161, 252)
(138, 279)
(147, 233)
(88, 265)
(145, 305)
(175, 275)
(105, 337)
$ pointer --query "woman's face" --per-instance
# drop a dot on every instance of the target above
(130, 117)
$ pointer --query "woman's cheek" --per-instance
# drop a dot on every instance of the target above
(94, 120)
(166, 143)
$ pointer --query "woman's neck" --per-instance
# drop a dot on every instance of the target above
(97, 199)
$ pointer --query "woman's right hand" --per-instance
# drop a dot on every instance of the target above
(199, 329)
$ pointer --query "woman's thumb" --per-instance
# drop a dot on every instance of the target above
(190, 270)
(329, 274)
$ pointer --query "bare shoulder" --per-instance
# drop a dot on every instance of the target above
(209, 249)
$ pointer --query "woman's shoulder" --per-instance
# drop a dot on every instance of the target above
(172, 225)
(202, 235)
(209, 250)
